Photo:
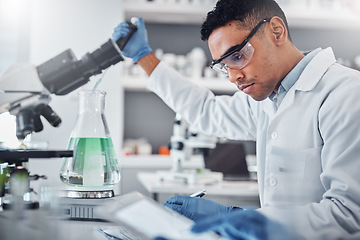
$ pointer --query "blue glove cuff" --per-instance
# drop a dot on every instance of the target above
(142, 53)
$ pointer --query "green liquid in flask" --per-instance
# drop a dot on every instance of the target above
(94, 163)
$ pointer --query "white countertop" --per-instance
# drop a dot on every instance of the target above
(223, 188)
(157, 161)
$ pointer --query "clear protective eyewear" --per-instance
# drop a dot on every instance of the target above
(237, 57)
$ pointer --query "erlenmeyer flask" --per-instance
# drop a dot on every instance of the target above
(94, 162)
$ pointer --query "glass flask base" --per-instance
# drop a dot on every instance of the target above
(87, 194)
(94, 163)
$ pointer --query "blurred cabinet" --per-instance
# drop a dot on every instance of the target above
(309, 14)
(169, 11)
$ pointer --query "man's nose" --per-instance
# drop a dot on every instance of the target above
(235, 75)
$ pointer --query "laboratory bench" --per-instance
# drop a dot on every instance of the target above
(138, 173)
(40, 225)
(239, 193)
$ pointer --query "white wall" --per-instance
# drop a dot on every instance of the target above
(82, 25)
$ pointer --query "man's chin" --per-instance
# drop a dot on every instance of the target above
(257, 98)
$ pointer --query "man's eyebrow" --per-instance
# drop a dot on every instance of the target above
(229, 50)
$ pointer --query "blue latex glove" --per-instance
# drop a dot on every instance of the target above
(137, 46)
(196, 208)
(245, 225)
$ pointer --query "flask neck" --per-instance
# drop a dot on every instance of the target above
(91, 122)
(92, 101)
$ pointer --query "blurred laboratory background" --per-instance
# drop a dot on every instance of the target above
(140, 124)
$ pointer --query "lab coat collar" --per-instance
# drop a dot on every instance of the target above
(315, 70)
(308, 79)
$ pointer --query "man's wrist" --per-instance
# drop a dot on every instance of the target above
(149, 62)
(142, 53)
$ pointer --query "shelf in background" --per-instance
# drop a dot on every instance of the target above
(167, 12)
(138, 83)
(156, 161)
(325, 19)
(191, 13)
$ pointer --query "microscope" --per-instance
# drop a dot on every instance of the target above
(184, 140)
(25, 92)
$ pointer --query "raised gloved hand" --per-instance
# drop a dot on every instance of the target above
(138, 46)
(197, 208)
(245, 225)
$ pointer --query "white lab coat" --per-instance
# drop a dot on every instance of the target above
(308, 150)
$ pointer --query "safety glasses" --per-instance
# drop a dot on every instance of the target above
(239, 56)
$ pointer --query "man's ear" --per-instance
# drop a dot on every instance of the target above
(279, 31)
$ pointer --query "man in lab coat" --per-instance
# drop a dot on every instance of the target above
(302, 110)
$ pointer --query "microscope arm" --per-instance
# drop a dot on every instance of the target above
(25, 89)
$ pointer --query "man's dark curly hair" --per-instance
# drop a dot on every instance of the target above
(248, 13)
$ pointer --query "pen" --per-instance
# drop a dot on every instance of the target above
(199, 194)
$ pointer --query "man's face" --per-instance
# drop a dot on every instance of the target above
(259, 78)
